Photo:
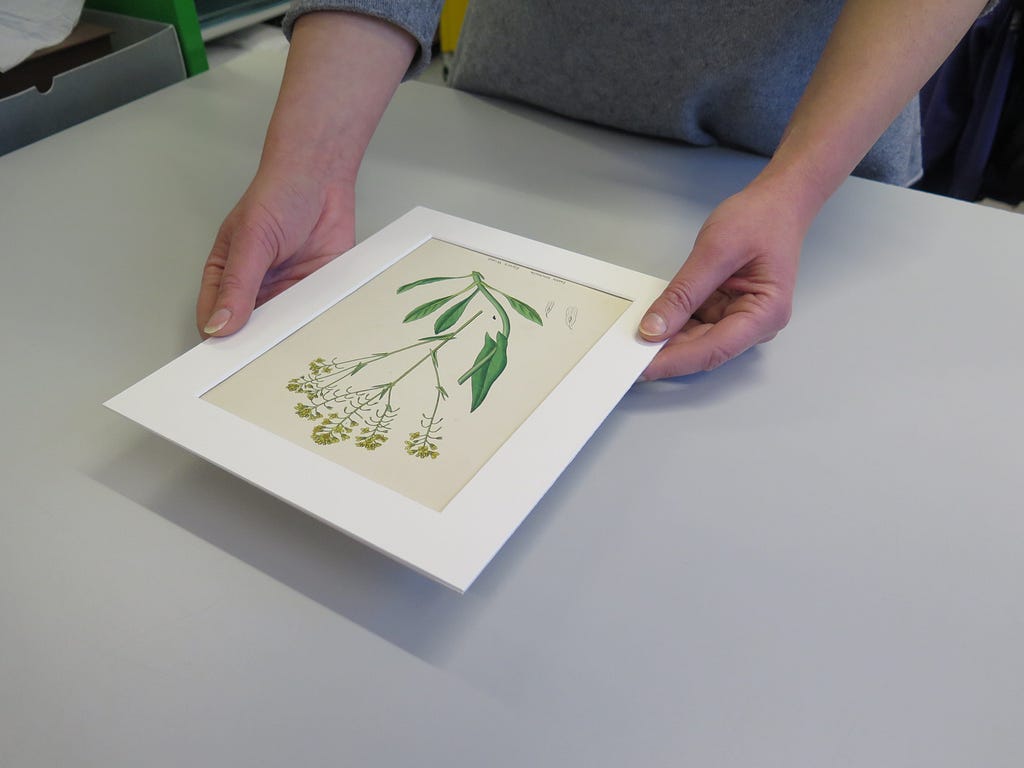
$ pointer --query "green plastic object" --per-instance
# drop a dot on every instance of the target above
(179, 13)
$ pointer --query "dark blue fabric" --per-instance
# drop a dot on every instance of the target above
(1004, 177)
(962, 105)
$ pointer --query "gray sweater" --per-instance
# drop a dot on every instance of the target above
(703, 72)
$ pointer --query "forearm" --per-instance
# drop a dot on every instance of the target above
(342, 71)
(879, 55)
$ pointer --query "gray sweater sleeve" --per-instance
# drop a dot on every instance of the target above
(417, 17)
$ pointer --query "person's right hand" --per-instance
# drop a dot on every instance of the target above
(285, 227)
(298, 213)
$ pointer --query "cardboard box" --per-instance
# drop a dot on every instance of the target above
(145, 57)
(87, 42)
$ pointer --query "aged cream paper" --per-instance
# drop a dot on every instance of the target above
(388, 390)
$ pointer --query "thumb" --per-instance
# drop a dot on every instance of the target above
(231, 279)
(699, 277)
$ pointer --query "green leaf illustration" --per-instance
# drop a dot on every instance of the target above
(482, 359)
(451, 316)
(524, 309)
(485, 375)
(424, 281)
(428, 308)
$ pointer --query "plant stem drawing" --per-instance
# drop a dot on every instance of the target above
(365, 414)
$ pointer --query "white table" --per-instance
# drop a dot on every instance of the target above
(813, 556)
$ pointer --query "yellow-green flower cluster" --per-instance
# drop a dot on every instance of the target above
(304, 411)
(333, 429)
(421, 446)
(370, 439)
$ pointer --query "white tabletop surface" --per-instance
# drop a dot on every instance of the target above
(813, 556)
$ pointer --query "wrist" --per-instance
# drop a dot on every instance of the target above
(342, 71)
(322, 153)
(797, 182)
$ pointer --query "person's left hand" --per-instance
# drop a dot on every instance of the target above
(735, 289)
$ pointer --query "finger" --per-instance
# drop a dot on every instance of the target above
(693, 330)
(707, 346)
(232, 277)
(210, 282)
(697, 280)
(284, 276)
(715, 307)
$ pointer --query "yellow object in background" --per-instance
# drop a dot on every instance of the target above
(451, 24)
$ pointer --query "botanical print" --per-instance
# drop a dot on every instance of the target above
(417, 378)
(371, 409)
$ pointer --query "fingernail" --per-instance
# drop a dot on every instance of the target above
(217, 320)
(640, 379)
(653, 325)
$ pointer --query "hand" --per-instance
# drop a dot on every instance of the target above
(298, 213)
(284, 228)
(736, 288)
